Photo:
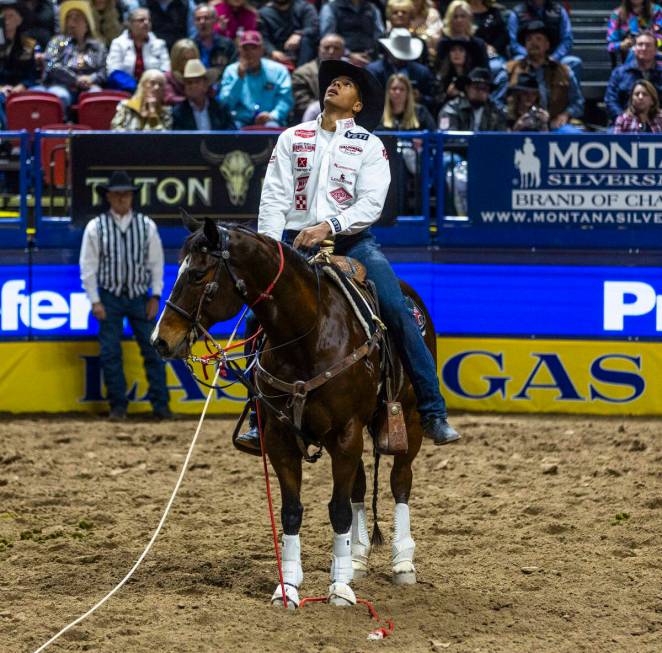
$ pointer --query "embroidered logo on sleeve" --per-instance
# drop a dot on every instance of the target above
(341, 195)
(304, 133)
(335, 223)
(300, 203)
(301, 183)
(302, 162)
(358, 135)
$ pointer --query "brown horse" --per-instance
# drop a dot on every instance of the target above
(309, 327)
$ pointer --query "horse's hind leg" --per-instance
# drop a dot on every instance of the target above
(360, 536)
(403, 546)
(345, 459)
(287, 465)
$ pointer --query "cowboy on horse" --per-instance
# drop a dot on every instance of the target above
(329, 177)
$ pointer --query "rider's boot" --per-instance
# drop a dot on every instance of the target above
(438, 429)
(251, 438)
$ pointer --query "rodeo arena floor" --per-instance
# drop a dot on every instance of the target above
(533, 534)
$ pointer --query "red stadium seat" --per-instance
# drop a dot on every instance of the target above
(55, 155)
(32, 110)
(121, 95)
(97, 109)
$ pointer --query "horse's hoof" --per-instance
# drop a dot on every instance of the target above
(342, 595)
(292, 597)
(404, 573)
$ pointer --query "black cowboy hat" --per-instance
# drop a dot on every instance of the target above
(120, 182)
(476, 76)
(525, 82)
(533, 27)
(472, 47)
(372, 93)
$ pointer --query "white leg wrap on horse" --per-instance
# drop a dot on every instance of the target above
(292, 570)
(341, 562)
(292, 573)
(403, 547)
(360, 540)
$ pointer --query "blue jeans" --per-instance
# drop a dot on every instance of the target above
(110, 338)
(414, 354)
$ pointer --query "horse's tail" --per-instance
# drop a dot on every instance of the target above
(377, 538)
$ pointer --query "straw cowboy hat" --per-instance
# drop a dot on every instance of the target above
(80, 5)
(372, 93)
(402, 45)
(194, 69)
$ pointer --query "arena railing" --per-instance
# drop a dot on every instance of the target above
(15, 175)
(412, 182)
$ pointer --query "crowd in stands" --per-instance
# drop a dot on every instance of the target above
(461, 65)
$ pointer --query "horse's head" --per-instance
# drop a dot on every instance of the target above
(203, 294)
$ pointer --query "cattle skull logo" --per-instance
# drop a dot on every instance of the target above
(237, 168)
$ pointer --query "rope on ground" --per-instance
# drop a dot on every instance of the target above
(156, 532)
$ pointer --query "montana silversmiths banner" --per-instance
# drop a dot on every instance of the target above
(214, 174)
(586, 181)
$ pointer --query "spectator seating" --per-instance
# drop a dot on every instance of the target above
(55, 154)
(32, 110)
(97, 109)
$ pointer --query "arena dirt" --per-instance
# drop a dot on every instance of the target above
(533, 535)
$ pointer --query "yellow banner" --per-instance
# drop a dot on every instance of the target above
(503, 375)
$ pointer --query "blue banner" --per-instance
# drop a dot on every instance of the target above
(599, 182)
(471, 300)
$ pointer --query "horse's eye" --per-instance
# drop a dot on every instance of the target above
(196, 276)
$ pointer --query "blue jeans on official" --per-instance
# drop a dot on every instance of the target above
(110, 338)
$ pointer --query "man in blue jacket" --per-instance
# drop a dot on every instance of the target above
(643, 66)
(257, 91)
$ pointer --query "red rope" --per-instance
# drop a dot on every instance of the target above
(274, 532)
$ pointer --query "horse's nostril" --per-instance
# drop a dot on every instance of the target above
(161, 347)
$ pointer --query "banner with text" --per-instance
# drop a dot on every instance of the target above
(209, 174)
(585, 181)
(477, 374)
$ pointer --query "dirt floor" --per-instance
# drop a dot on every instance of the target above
(533, 535)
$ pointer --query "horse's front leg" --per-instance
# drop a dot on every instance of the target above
(360, 536)
(345, 458)
(286, 462)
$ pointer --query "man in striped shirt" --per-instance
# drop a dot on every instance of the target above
(121, 257)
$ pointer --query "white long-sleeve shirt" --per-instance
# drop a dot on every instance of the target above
(90, 254)
(315, 176)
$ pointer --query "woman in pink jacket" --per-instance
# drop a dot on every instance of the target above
(234, 16)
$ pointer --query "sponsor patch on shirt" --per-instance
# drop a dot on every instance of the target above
(357, 135)
(301, 183)
(341, 167)
(342, 179)
(302, 162)
(304, 133)
(300, 203)
(341, 195)
(335, 223)
(303, 147)
(347, 124)
(352, 150)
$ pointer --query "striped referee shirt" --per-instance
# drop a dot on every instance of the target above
(121, 254)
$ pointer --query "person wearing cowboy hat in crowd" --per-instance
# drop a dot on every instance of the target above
(524, 113)
(401, 50)
(199, 111)
(473, 111)
(17, 65)
(121, 257)
(330, 177)
(75, 60)
(560, 94)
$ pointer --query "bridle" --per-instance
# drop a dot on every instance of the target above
(222, 254)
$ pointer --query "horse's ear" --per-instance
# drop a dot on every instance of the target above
(211, 232)
(189, 221)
